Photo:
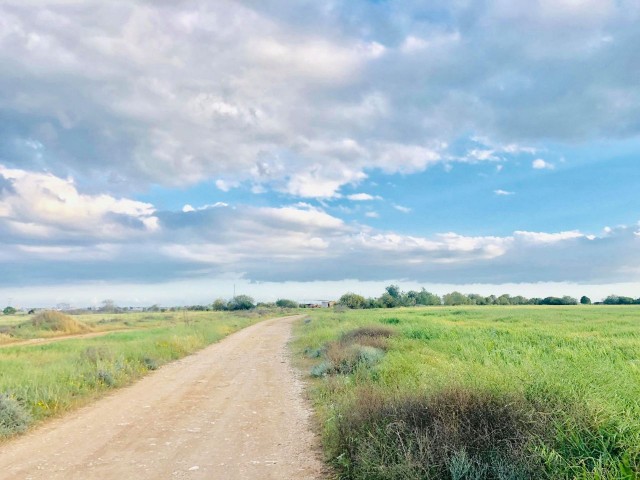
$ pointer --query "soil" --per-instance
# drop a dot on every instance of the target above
(234, 410)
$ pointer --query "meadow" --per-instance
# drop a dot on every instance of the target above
(41, 381)
(476, 392)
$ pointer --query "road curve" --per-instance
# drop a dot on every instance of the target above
(231, 411)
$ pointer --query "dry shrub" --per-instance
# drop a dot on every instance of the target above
(376, 336)
(58, 322)
(457, 433)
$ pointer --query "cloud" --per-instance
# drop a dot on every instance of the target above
(43, 206)
(540, 164)
(71, 236)
(363, 197)
(503, 193)
(303, 100)
(401, 208)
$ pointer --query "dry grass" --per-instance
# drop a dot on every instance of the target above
(58, 322)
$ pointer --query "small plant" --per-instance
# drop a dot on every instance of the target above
(105, 377)
(13, 416)
(321, 370)
(150, 363)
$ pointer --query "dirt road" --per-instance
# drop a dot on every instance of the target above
(232, 411)
(60, 338)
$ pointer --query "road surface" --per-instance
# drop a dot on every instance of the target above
(231, 411)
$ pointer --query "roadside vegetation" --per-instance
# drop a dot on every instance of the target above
(393, 297)
(41, 381)
(477, 393)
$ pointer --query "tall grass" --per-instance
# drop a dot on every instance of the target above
(550, 392)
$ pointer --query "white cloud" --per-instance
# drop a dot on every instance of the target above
(372, 215)
(503, 193)
(402, 208)
(540, 164)
(43, 205)
(363, 197)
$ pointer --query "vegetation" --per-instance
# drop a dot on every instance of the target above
(42, 380)
(285, 303)
(393, 297)
(469, 392)
(9, 311)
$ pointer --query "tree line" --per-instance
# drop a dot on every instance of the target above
(394, 297)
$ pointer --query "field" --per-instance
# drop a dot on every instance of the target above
(477, 392)
(43, 380)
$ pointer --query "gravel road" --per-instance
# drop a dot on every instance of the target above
(232, 411)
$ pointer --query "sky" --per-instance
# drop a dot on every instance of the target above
(165, 151)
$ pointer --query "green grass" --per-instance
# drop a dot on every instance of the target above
(41, 381)
(568, 377)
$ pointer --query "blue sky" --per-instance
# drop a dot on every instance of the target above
(160, 152)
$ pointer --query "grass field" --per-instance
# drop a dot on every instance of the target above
(477, 392)
(40, 381)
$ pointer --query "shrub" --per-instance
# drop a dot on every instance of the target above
(284, 303)
(372, 336)
(13, 416)
(456, 434)
(150, 363)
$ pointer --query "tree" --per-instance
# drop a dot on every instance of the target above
(455, 298)
(108, 306)
(9, 311)
(219, 305)
(352, 300)
(387, 300)
(585, 300)
(394, 291)
(241, 302)
(284, 303)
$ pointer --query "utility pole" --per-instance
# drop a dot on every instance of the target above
(234, 290)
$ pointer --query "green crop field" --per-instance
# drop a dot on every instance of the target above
(477, 392)
(40, 381)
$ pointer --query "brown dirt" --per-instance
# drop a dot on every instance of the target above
(59, 338)
(231, 411)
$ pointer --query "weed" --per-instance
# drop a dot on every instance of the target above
(150, 363)
(13, 416)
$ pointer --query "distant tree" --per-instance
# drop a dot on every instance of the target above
(108, 306)
(475, 299)
(387, 300)
(455, 298)
(352, 300)
(219, 305)
(409, 299)
(394, 291)
(9, 311)
(617, 300)
(503, 300)
(241, 302)
(427, 298)
(584, 300)
(284, 303)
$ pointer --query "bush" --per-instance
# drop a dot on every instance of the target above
(284, 303)
(455, 434)
(13, 416)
